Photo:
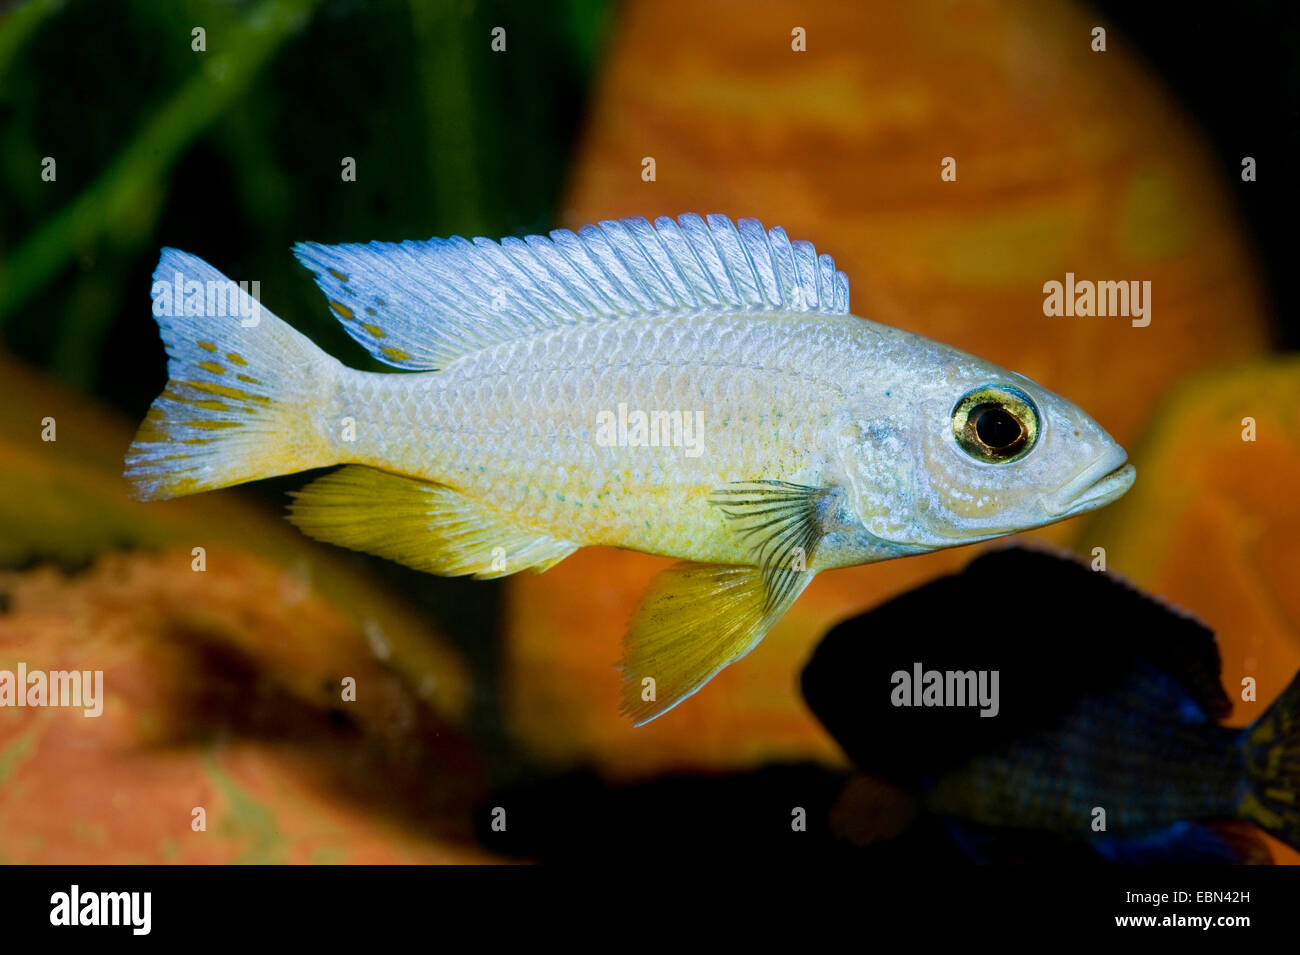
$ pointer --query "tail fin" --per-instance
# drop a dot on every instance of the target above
(1272, 750)
(246, 390)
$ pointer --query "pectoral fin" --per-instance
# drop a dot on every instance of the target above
(695, 620)
(781, 523)
(698, 618)
(430, 527)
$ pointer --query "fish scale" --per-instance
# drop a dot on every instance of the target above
(540, 398)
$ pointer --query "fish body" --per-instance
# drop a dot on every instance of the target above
(777, 396)
(516, 424)
(1111, 750)
(695, 389)
(1108, 740)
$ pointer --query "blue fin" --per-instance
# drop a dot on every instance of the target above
(1186, 843)
(421, 305)
(1182, 843)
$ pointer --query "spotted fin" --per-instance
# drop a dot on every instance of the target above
(695, 620)
(421, 305)
(244, 393)
(430, 527)
(1271, 746)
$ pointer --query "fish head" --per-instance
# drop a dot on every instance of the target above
(980, 452)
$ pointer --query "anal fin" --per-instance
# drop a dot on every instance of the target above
(698, 618)
(430, 527)
(695, 620)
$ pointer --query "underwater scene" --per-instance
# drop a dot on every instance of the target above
(453, 431)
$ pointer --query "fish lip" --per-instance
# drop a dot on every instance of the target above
(1094, 487)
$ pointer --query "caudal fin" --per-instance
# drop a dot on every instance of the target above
(246, 391)
(1272, 750)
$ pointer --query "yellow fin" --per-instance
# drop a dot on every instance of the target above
(695, 620)
(781, 523)
(430, 527)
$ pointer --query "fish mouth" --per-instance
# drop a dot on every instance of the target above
(1095, 487)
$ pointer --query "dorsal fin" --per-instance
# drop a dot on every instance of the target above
(421, 305)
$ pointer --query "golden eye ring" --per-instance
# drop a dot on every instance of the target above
(996, 424)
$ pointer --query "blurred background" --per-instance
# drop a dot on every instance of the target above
(223, 686)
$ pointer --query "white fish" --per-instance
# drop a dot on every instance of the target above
(692, 388)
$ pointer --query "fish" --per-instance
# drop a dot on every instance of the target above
(1107, 742)
(693, 388)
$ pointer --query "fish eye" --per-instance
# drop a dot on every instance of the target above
(996, 424)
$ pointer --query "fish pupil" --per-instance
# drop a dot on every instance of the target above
(996, 427)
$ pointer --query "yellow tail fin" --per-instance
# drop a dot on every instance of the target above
(247, 394)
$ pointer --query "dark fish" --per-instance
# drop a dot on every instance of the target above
(1107, 702)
